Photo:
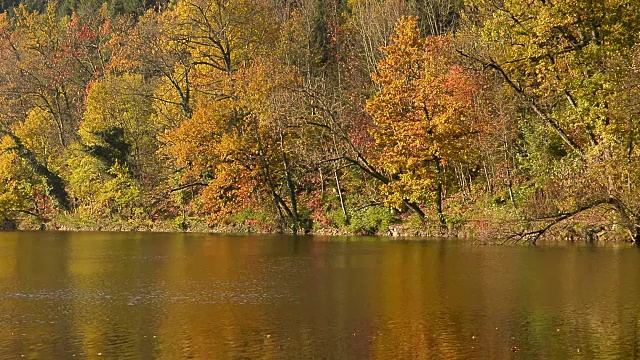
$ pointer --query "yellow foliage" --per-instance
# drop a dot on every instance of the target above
(423, 113)
(232, 141)
(14, 194)
(560, 54)
(123, 101)
(38, 133)
(226, 34)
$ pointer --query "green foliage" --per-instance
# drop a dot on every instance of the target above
(115, 149)
(249, 216)
(116, 7)
(543, 150)
(104, 191)
(371, 220)
(85, 177)
(121, 192)
(337, 218)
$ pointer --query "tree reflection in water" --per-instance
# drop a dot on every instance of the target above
(209, 296)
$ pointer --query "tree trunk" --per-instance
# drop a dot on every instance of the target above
(322, 189)
(486, 175)
(510, 184)
(441, 219)
(508, 165)
(620, 208)
(290, 185)
(416, 209)
(54, 181)
(342, 205)
(277, 201)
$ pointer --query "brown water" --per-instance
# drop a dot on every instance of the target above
(101, 295)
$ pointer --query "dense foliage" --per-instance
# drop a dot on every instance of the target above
(361, 116)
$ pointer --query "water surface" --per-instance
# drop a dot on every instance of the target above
(171, 296)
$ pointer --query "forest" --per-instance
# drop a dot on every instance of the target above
(503, 119)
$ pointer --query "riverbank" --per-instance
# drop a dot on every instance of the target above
(485, 230)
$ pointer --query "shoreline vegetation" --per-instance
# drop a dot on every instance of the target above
(476, 231)
(509, 121)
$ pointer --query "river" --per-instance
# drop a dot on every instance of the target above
(203, 296)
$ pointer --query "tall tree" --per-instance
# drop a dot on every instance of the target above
(423, 114)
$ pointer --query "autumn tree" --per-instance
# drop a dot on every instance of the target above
(241, 145)
(123, 104)
(157, 49)
(47, 63)
(423, 115)
(560, 59)
(554, 55)
(54, 60)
